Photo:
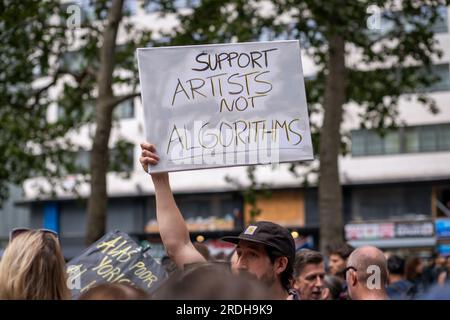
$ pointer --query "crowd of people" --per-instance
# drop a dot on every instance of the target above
(264, 265)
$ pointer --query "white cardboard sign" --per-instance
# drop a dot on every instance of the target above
(224, 105)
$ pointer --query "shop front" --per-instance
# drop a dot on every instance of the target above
(400, 237)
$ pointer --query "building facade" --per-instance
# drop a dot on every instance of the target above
(395, 187)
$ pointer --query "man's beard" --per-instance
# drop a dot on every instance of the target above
(268, 279)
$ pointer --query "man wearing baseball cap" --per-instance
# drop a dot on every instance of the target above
(264, 250)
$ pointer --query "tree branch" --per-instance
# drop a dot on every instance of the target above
(119, 99)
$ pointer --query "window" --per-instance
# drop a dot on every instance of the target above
(412, 140)
(157, 6)
(368, 142)
(388, 17)
(374, 144)
(358, 144)
(73, 62)
(388, 202)
(85, 112)
(130, 7)
(442, 82)
(121, 158)
(444, 137)
(82, 160)
(443, 72)
(392, 143)
(426, 138)
(125, 110)
(439, 71)
(440, 26)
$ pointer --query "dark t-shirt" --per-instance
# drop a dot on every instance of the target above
(401, 290)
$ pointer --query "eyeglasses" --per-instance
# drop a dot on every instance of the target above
(15, 232)
(349, 268)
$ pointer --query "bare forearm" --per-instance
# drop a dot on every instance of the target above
(172, 227)
(171, 224)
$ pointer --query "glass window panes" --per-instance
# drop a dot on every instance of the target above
(130, 6)
(358, 143)
(82, 160)
(427, 138)
(392, 142)
(73, 61)
(440, 26)
(374, 143)
(444, 137)
(411, 140)
(443, 72)
(125, 110)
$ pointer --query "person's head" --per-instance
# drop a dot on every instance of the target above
(366, 274)
(333, 287)
(439, 260)
(309, 273)
(337, 258)
(114, 291)
(265, 250)
(413, 268)
(33, 267)
(396, 266)
(211, 281)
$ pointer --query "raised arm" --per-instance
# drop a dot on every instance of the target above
(172, 227)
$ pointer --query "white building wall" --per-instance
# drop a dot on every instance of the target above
(402, 167)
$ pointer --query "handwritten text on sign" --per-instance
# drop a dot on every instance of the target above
(115, 258)
(224, 105)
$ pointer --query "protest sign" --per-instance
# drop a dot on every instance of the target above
(225, 105)
(115, 258)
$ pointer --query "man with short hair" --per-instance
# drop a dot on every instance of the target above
(367, 274)
(399, 287)
(337, 258)
(264, 249)
(309, 273)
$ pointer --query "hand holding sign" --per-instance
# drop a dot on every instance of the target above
(149, 158)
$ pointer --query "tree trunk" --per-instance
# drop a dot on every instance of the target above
(97, 206)
(330, 192)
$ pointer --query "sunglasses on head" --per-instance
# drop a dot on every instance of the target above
(15, 232)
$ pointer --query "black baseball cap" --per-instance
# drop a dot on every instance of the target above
(269, 234)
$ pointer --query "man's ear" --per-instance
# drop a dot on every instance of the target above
(280, 264)
(352, 279)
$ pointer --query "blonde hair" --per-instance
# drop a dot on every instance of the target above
(33, 268)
